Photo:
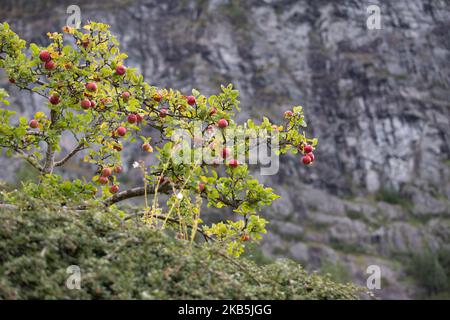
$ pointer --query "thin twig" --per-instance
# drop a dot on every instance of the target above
(78, 148)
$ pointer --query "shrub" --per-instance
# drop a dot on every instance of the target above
(337, 271)
(124, 259)
(432, 273)
(393, 197)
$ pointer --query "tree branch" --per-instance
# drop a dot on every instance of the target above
(50, 154)
(78, 148)
(173, 220)
(135, 192)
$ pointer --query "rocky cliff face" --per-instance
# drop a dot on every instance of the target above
(378, 100)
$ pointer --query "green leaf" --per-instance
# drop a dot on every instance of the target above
(67, 50)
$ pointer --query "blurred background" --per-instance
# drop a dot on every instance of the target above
(378, 100)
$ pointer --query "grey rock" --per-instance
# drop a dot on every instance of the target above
(378, 100)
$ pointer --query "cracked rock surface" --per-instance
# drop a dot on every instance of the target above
(378, 100)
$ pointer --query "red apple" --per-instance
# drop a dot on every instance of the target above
(103, 180)
(132, 118)
(50, 65)
(12, 80)
(311, 155)
(106, 172)
(85, 43)
(233, 163)
(54, 99)
(201, 187)
(163, 113)
(93, 104)
(125, 95)
(120, 69)
(121, 131)
(288, 114)
(245, 237)
(306, 159)
(307, 148)
(147, 147)
(91, 86)
(213, 111)
(118, 169)
(139, 118)
(45, 56)
(157, 97)
(33, 124)
(114, 189)
(85, 104)
(190, 100)
(222, 123)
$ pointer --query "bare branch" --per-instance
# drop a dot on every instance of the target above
(50, 154)
(173, 220)
(34, 133)
(135, 192)
(78, 148)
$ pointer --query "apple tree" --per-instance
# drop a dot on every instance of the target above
(91, 96)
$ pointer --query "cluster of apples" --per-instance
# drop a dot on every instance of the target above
(222, 124)
(308, 155)
(163, 112)
(86, 103)
(134, 118)
(305, 149)
(225, 153)
(92, 87)
(45, 57)
(105, 175)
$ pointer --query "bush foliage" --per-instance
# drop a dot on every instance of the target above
(128, 260)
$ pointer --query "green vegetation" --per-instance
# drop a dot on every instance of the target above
(126, 259)
(336, 270)
(236, 13)
(393, 197)
(346, 247)
(357, 215)
(431, 271)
